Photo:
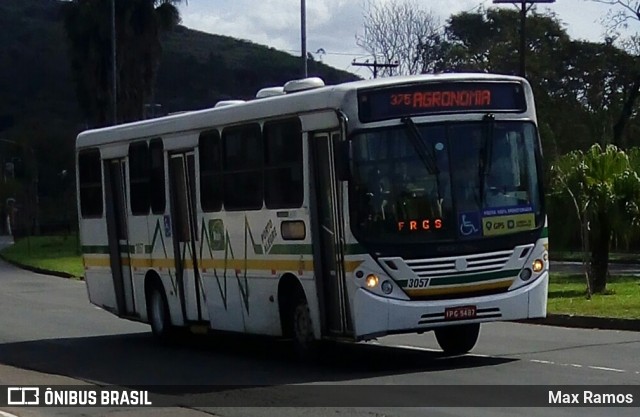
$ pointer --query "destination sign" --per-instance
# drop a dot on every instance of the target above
(435, 98)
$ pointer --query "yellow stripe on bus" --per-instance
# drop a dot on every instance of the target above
(96, 261)
(239, 264)
(458, 289)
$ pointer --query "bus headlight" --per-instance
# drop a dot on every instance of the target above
(371, 280)
(537, 265)
(387, 287)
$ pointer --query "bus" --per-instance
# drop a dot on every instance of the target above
(311, 212)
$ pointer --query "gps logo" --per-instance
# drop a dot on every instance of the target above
(23, 396)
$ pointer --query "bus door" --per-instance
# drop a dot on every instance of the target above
(117, 231)
(183, 223)
(327, 237)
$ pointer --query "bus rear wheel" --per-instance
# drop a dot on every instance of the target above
(158, 313)
(304, 343)
(457, 340)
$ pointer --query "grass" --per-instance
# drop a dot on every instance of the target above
(54, 253)
(567, 295)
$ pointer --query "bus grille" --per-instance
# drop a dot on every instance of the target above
(439, 267)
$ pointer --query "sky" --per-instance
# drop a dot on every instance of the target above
(332, 25)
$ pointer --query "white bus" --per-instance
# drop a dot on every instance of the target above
(353, 211)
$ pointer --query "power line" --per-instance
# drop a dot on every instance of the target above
(375, 65)
(474, 8)
(329, 53)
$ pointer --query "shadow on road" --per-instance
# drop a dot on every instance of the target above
(220, 360)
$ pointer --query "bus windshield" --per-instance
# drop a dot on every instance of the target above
(452, 181)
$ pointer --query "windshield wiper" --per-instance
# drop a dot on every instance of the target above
(485, 154)
(424, 152)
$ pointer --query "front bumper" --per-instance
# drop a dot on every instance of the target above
(378, 316)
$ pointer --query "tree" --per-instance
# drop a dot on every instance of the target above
(488, 40)
(399, 32)
(605, 189)
(599, 77)
(581, 87)
(566, 179)
(138, 27)
(620, 16)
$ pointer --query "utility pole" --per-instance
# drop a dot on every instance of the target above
(303, 36)
(114, 75)
(375, 65)
(523, 18)
(523, 38)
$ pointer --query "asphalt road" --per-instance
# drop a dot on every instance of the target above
(50, 334)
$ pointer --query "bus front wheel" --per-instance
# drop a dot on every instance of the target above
(158, 312)
(457, 340)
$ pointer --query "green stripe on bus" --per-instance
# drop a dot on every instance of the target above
(291, 249)
(307, 249)
(466, 279)
(277, 249)
(104, 249)
(545, 232)
(98, 249)
(146, 250)
(355, 249)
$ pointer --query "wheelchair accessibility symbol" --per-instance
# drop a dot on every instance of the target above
(469, 224)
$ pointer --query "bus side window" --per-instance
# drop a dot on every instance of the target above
(139, 178)
(210, 171)
(90, 179)
(243, 167)
(283, 182)
(158, 199)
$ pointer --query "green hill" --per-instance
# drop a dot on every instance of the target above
(197, 69)
(38, 104)
(35, 77)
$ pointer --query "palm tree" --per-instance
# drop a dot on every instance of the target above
(139, 24)
(604, 186)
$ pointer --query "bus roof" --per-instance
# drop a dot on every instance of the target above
(328, 97)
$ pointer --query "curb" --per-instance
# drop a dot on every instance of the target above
(586, 322)
(38, 270)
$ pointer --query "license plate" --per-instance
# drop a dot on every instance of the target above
(460, 313)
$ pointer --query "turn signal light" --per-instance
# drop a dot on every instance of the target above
(371, 281)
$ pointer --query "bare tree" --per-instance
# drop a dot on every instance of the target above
(622, 13)
(398, 31)
(620, 16)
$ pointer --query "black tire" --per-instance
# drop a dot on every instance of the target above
(305, 344)
(458, 340)
(158, 314)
